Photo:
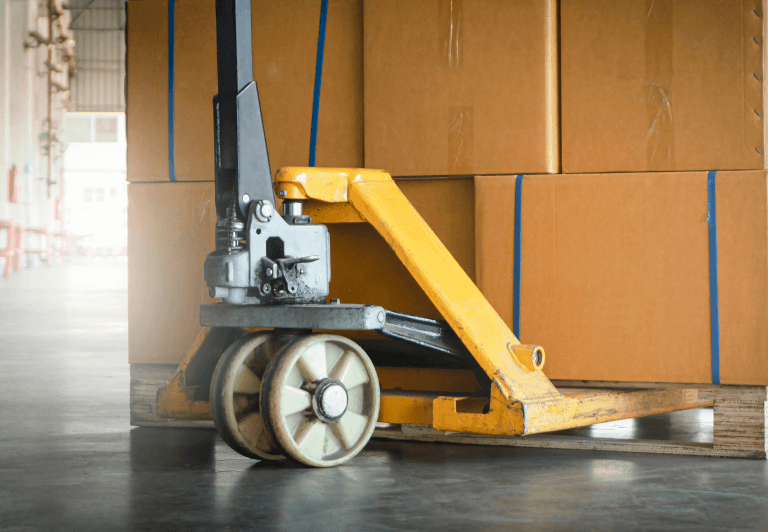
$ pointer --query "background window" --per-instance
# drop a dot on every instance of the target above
(105, 129)
(77, 128)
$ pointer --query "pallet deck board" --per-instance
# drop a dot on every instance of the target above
(552, 441)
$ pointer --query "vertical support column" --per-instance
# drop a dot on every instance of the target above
(5, 105)
(20, 70)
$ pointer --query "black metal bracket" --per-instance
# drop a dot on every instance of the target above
(242, 171)
(426, 332)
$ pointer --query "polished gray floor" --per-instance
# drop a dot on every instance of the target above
(70, 461)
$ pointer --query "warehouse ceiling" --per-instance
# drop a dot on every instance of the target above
(99, 27)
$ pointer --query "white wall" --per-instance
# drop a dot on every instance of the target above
(24, 113)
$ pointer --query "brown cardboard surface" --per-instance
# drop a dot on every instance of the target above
(284, 55)
(171, 230)
(146, 119)
(664, 85)
(366, 269)
(457, 87)
(615, 273)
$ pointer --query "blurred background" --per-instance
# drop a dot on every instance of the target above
(62, 131)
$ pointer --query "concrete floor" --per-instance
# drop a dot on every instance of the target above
(70, 461)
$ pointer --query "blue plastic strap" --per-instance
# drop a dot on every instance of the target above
(714, 308)
(518, 255)
(171, 84)
(318, 81)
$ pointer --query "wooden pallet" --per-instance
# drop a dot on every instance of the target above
(740, 427)
(145, 380)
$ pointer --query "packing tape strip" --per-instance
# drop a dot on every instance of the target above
(714, 306)
(171, 90)
(318, 81)
(518, 245)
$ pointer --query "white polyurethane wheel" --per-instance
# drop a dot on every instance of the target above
(320, 399)
(235, 391)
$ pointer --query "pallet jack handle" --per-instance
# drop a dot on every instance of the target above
(242, 172)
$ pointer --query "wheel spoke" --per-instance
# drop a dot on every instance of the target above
(312, 364)
(246, 381)
(348, 429)
(350, 370)
(310, 437)
(244, 404)
(293, 400)
(251, 426)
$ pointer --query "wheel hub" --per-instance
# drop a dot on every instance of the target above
(330, 400)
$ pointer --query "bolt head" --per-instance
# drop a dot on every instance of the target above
(267, 210)
(282, 193)
(269, 272)
(266, 288)
(246, 198)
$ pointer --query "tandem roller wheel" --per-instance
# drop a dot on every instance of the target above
(235, 390)
(320, 399)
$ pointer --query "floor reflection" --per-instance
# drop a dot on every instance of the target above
(169, 449)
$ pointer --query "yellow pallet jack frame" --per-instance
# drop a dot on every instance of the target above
(522, 400)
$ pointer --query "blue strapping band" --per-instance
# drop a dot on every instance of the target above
(171, 84)
(318, 81)
(714, 307)
(516, 275)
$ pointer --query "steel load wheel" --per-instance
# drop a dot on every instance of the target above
(320, 399)
(235, 391)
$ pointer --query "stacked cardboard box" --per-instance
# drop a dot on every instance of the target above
(165, 215)
(172, 212)
(615, 261)
(615, 272)
(669, 85)
(618, 285)
(461, 88)
(284, 55)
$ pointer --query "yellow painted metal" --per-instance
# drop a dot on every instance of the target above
(522, 400)
(404, 407)
(176, 400)
(503, 417)
(332, 213)
(329, 185)
(575, 408)
(530, 357)
(374, 194)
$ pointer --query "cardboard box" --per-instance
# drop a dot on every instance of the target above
(615, 272)
(284, 55)
(171, 230)
(670, 85)
(455, 87)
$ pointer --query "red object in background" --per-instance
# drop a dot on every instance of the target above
(57, 209)
(13, 184)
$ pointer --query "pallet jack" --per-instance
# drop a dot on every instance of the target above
(285, 391)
